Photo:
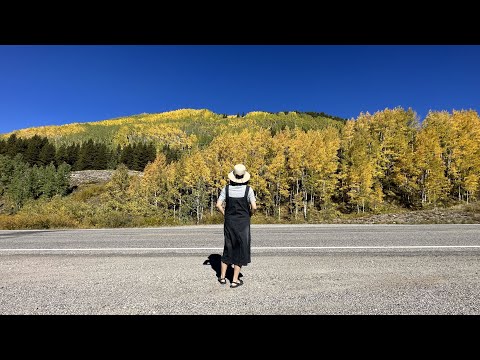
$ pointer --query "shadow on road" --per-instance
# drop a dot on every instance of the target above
(215, 260)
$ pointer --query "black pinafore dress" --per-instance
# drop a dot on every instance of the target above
(237, 230)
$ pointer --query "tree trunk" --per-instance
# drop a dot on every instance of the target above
(323, 193)
(180, 208)
(279, 200)
(197, 201)
(305, 199)
(296, 203)
(211, 203)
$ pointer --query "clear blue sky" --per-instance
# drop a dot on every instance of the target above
(58, 84)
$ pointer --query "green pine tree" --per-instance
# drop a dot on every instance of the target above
(47, 154)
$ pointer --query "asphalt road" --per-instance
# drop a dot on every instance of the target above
(295, 269)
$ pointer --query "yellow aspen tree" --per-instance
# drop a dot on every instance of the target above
(138, 203)
(440, 124)
(210, 155)
(433, 183)
(196, 176)
(322, 157)
(346, 141)
(276, 173)
(152, 179)
(264, 184)
(465, 153)
(312, 158)
(296, 167)
(172, 185)
(405, 176)
(116, 195)
(395, 130)
(258, 147)
(361, 164)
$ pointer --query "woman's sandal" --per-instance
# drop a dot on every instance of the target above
(236, 284)
(222, 281)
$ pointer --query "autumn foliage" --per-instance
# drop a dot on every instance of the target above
(303, 167)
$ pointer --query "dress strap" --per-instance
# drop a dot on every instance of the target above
(247, 189)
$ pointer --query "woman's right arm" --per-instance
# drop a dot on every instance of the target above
(220, 206)
(253, 207)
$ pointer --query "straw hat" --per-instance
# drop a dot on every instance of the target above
(239, 174)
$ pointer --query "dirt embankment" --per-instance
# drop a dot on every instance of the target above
(460, 214)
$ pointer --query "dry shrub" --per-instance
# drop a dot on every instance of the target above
(40, 221)
(86, 192)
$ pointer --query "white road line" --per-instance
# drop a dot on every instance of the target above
(262, 248)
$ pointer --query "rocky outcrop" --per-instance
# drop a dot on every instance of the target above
(95, 176)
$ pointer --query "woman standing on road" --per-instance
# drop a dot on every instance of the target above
(240, 205)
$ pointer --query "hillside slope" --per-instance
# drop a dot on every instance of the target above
(177, 129)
